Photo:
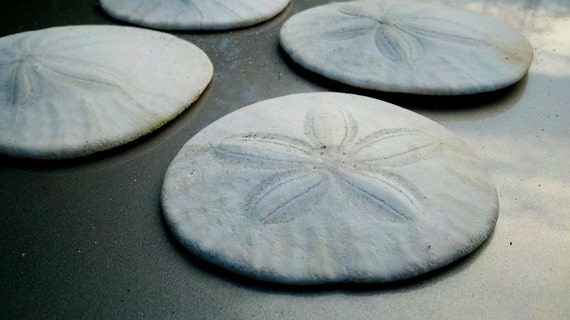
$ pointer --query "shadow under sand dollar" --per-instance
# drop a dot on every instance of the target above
(198, 267)
(480, 105)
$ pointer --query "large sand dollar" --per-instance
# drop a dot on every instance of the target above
(194, 14)
(407, 47)
(72, 91)
(328, 187)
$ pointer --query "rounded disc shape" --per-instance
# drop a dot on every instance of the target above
(407, 47)
(72, 91)
(194, 14)
(328, 187)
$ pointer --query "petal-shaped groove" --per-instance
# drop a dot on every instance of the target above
(101, 79)
(266, 150)
(22, 87)
(333, 223)
(395, 147)
(284, 197)
(235, 11)
(85, 75)
(354, 11)
(353, 31)
(330, 127)
(193, 14)
(386, 196)
(73, 91)
(434, 28)
(407, 47)
(395, 44)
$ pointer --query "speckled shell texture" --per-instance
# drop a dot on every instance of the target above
(407, 47)
(194, 14)
(328, 187)
(73, 91)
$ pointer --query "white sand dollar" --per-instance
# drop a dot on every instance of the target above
(328, 187)
(72, 91)
(194, 14)
(407, 47)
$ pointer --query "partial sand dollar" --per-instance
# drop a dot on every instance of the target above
(194, 14)
(72, 91)
(328, 187)
(407, 47)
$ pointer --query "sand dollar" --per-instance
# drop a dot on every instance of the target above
(407, 47)
(72, 91)
(194, 14)
(328, 187)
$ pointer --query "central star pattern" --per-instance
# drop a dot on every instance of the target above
(37, 68)
(331, 159)
(400, 33)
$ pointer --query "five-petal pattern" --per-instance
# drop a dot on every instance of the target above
(331, 159)
(400, 34)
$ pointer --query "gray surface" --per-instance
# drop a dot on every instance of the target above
(86, 238)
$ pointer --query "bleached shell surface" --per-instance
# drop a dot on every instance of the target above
(72, 91)
(407, 47)
(194, 14)
(328, 187)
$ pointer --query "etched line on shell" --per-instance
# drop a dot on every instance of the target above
(395, 35)
(382, 203)
(308, 168)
